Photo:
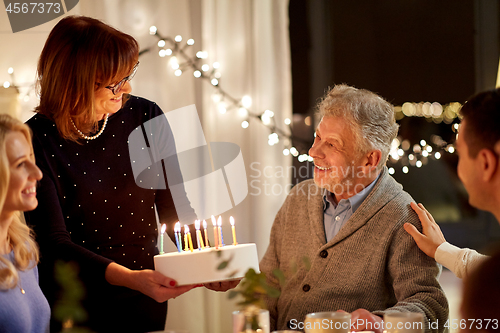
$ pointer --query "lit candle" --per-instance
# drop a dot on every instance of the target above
(231, 220)
(190, 240)
(178, 241)
(186, 245)
(199, 239)
(214, 222)
(207, 243)
(221, 238)
(163, 228)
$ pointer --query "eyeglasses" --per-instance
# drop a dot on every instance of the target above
(117, 87)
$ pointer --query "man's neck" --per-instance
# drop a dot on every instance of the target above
(358, 185)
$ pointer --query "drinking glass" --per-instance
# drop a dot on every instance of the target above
(239, 321)
(404, 322)
(327, 322)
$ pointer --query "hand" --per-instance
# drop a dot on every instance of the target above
(149, 282)
(223, 285)
(360, 319)
(432, 236)
(158, 286)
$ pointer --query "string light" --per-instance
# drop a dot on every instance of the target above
(401, 152)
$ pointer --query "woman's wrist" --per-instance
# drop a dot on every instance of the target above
(119, 275)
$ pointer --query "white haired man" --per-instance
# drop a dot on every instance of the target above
(348, 222)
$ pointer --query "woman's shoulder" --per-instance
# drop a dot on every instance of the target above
(39, 121)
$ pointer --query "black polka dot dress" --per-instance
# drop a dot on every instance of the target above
(92, 212)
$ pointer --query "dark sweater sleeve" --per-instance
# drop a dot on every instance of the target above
(50, 229)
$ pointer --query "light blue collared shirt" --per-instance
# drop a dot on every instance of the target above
(336, 215)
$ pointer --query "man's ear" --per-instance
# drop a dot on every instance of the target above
(488, 163)
(372, 160)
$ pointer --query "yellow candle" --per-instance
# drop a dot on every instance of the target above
(207, 243)
(219, 224)
(199, 239)
(231, 220)
(190, 242)
(186, 245)
(215, 232)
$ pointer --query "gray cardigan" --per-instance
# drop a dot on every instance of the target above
(372, 263)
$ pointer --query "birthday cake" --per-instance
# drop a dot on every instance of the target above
(228, 262)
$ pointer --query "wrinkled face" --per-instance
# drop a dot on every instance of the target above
(107, 102)
(467, 168)
(333, 152)
(24, 174)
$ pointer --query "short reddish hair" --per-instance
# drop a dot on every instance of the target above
(80, 52)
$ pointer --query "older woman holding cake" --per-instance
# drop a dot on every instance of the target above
(91, 209)
(23, 307)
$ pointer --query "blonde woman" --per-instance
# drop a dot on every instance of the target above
(23, 307)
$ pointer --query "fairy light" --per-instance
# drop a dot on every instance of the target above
(246, 101)
(405, 169)
(400, 152)
(6, 84)
(222, 107)
(216, 98)
(243, 112)
(10, 70)
(391, 171)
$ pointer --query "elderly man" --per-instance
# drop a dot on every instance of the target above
(348, 223)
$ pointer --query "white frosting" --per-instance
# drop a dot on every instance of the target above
(201, 266)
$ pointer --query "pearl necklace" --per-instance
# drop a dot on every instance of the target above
(95, 136)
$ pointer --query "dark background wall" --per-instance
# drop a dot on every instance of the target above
(407, 51)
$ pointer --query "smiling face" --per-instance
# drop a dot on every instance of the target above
(334, 156)
(107, 102)
(24, 174)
